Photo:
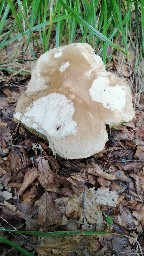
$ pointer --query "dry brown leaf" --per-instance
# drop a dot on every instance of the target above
(61, 204)
(138, 213)
(92, 180)
(48, 213)
(49, 180)
(123, 134)
(140, 153)
(6, 195)
(46, 176)
(5, 138)
(73, 208)
(66, 191)
(125, 153)
(126, 219)
(120, 175)
(132, 166)
(85, 209)
(2, 172)
(139, 120)
(29, 196)
(18, 159)
(139, 179)
(10, 210)
(66, 246)
(30, 176)
(103, 182)
(5, 180)
(139, 136)
(125, 66)
(91, 213)
(3, 54)
(104, 196)
(77, 183)
(97, 171)
(122, 246)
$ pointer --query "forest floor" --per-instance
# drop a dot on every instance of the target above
(40, 191)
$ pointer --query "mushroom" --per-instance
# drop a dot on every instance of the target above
(70, 99)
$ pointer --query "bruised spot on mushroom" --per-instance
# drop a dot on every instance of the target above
(71, 109)
(64, 66)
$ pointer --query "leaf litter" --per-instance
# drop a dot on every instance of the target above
(39, 191)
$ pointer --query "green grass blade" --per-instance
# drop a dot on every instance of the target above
(3, 20)
(120, 22)
(105, 29)
(25, 22)
(15, 246)
(35, 28)
(34, 11)
(90, 28)
(58, 30)
(57, 233)
(2, 6)
(16, 71)
(142, 22)
(16, 15)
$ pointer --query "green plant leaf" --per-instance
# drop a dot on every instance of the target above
(15, 246)
(90, 28)
(57, 233)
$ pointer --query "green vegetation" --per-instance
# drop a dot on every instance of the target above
(45, 234)
(15, 246)
(109, 26)
(100, 23)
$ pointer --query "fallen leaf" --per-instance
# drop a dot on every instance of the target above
(133, 166)
(138, 213)
(122, 246)
(68, 245)
(5, 180)
(127, 220)
(29, 196)
(49, 180)
(5, 138)
(10, 210)
(77, 183)
(48, 213)
(139, 179)
(103, 182)
(120, 175)
(91, 212)
(73, 208)
(104, 196)
(2, 172)
(84, 209)
(122, 134)
(46, 176)
(97, 171)
(140, 153)
(30, 176)
(6, 195)
(18, 159)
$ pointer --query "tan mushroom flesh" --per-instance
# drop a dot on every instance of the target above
(70, 99)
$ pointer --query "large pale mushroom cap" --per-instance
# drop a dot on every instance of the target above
(70, 99)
